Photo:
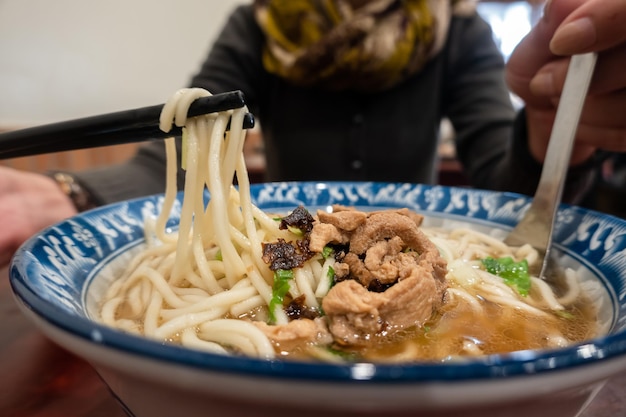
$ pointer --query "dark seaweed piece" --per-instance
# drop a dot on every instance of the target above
(300, 218)
(285, 255)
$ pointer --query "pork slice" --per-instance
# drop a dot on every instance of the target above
(352, 313)
(345, 220)
(393, 276)
(417, 218)
(356, 269)
(357, 316)
(296, 333)
(411, 301)
(383, 226)
(382, 260)
(323, 234)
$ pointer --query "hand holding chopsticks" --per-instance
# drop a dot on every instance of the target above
(128, 126)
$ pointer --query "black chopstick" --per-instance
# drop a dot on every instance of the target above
(128, 126)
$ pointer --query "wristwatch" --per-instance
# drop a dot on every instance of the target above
(82, 199)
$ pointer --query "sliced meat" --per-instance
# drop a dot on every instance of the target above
(345, 220)
(288, 337)
(417, 218)
(335, 227)
(386, 225)
(325, 233)
(383, 259)
(395, 278)
(355, 269)
(354, 317)
(357, 316)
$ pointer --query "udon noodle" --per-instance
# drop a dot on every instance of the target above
(209, 285)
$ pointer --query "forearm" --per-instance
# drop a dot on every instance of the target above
(143, 174)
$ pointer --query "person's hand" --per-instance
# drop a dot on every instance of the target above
(536, 73)
(28, 203)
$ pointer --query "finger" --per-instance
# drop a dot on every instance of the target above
(538, 47)
(533, 52)
(604, 110)
(540, 125)
(549, 80)
(609, 75)
(602, 124)
(602, 137)
(609, 72)
(595, 25)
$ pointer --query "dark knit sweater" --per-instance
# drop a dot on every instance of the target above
(388, 136)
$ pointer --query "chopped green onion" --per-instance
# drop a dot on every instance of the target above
(327, 251)
(348, 356)
(514, 274)
(295, 230)
(331, 276)
(279, 290)
(564, 314)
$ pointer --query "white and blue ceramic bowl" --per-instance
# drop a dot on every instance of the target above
(58, 275)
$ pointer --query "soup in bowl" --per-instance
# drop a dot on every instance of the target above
(63, 279)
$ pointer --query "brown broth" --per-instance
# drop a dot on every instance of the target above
(498, 330)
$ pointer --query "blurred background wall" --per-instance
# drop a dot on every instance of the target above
(70, 58)
(65, 59)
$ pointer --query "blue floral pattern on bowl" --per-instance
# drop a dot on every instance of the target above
(51, 272)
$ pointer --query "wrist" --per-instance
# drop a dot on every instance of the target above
(78, 195)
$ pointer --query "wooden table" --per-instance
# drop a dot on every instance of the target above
(40, 379)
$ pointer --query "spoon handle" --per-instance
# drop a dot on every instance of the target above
(537, 224)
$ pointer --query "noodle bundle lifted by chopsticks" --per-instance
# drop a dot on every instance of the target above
(183, 286)
(336, 286)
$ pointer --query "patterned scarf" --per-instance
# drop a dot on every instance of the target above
(362, 45)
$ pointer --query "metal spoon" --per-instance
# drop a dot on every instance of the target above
(537, 225)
